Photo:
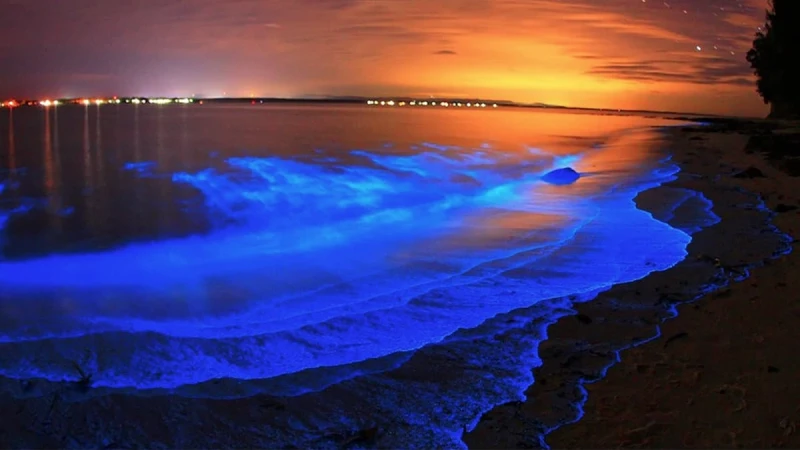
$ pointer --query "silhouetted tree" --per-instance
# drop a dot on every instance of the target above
(775, 57)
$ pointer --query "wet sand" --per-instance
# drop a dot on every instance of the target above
(724, 372)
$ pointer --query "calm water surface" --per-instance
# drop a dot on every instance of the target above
(74, 157)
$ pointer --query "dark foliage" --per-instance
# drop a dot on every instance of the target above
(775, 58)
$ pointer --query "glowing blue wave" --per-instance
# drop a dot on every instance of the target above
(329, 261)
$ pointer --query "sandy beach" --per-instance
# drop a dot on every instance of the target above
(723, 373)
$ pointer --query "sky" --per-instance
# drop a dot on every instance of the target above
(679, 55)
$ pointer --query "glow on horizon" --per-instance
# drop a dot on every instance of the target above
(619, 54)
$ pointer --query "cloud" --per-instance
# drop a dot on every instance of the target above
(702, 71)
(601, 53)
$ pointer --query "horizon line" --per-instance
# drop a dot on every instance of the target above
(353, 99)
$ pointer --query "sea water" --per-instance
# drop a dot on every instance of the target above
(291, 249)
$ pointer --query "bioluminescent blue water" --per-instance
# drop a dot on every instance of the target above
(223, 253)
(322, 262)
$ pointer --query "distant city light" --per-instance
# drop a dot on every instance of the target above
(187, 100)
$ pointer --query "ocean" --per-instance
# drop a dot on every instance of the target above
(292, 251)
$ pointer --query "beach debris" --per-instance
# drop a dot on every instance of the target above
(709, 259)
(733, 435)
(737, 270)
(366, 436)
(788, 426)
(54, 401)
(645, 428)
(27, 385)
(742, 405)
(85, 381)
(675, 337)
(750, 172)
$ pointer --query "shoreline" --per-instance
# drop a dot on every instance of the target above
(599, 329)
(717, 160)
(433, 373)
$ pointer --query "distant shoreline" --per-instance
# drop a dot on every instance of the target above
(431, 102)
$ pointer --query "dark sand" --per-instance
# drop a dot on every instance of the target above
(725, 373)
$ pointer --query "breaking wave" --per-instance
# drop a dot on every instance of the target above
(330, 261)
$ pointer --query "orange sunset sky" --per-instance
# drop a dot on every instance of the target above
(681, 55)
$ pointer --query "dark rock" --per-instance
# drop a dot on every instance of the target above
(584, 319)
(783, 207)
(563, 176)
(750, 172)
(773, 369)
